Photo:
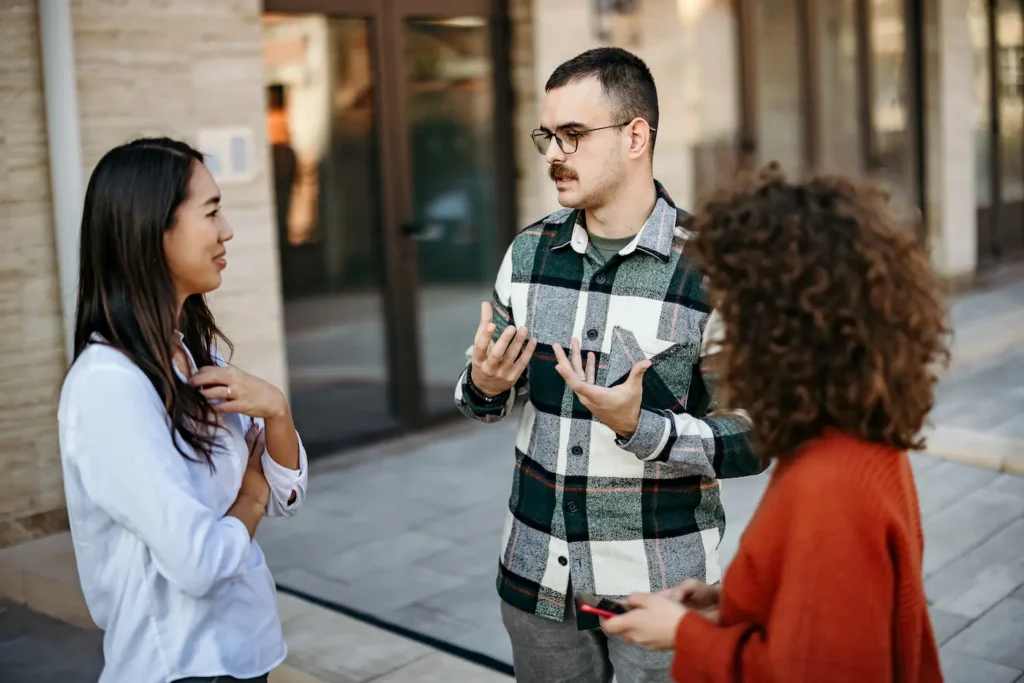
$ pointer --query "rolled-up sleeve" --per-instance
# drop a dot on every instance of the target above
(130, 468)
(287, 486)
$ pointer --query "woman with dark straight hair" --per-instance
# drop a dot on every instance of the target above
(834, 327)
(171, 457)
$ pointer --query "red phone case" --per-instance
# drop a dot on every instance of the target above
(596, 610)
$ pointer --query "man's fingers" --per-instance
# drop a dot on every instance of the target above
(576, 358)
(565, 369)
(524, 358)
(591, 368)
(515, 347)
(486, 314)
(484, 333)
(497, 350)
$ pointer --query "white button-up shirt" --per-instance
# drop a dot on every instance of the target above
(178, 587)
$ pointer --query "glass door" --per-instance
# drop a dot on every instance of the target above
(452, 130)
(322, 130)
(386, 169)
(997, 37)
(1009, 43)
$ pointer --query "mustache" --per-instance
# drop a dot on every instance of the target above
(560, 172)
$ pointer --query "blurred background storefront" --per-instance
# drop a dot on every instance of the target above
(397, 133)
(375, 162)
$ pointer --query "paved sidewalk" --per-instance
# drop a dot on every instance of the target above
(408, 532)
(323, 647)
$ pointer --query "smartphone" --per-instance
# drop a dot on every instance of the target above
(602, 607)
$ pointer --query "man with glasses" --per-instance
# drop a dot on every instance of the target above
(600, 319)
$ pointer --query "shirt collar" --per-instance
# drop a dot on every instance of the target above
(655, 237)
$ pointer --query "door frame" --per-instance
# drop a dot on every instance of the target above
(399, 250)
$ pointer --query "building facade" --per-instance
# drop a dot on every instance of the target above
(375, 161)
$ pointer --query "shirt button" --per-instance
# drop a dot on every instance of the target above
(562, 560)
(571, 507)
(577, 450)
(592, 334)
(600, 279)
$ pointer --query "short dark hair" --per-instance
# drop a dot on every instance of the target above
(624, 77)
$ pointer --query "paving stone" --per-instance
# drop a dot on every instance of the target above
(998, 636)
(1019, 593)
(429, 622)
(36, 648)
(475, 601)
(490, 639)
(992, 584)
(972, 575)
(966, 523)
(474, 558)
(922, 463)
(328, 643)
(386, 552)
(946, 625)
(440, 669)
(958, 667)
(1009, 484)
(483, 521)
(942, 486)
(390, 590)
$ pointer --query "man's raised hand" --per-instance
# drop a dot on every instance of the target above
(617, 407)
(497, 365)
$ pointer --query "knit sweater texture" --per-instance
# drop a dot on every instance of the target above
(826, 585)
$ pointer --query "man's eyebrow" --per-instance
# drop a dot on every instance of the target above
(567, 124)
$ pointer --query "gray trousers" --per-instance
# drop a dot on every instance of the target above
(545, 651)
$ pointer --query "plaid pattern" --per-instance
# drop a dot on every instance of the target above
(621, 516)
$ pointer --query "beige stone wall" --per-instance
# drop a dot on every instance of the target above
(143, 68)
(172, 68)
(31, 343)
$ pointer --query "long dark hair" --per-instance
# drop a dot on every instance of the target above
(125, 291)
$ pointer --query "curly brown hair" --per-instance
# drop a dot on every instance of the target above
(832, 313)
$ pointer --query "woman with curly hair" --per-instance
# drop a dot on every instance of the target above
(834, 329)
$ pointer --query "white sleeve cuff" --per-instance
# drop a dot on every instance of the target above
(285, 482)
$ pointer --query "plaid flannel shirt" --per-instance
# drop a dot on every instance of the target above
(619, 516)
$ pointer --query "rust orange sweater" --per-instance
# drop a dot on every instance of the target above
(826, 585)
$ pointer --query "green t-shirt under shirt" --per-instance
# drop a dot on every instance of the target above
(608, 247)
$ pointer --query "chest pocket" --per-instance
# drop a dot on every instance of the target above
(667, 383)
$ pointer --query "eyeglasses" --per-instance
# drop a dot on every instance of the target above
(568, 139)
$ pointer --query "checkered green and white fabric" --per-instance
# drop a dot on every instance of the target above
(639, 515)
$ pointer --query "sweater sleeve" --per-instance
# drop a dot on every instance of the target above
(831, 618)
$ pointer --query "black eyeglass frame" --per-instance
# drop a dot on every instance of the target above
(540, 133)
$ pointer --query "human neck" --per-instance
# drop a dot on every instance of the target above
(625, 214)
